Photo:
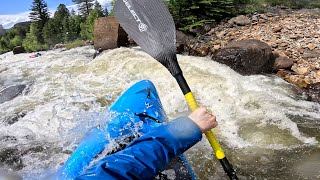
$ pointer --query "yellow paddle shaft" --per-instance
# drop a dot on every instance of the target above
(210, 136)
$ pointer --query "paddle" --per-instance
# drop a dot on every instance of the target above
(151, 26)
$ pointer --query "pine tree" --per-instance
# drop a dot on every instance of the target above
(51, 33)
(39, 14)
(74, 27)
(61, 21)
(84, 7)
(87, 27)
(61, 12)
(178, 9)
(192, 13)
(98, 8)
(106, 12)
(31, 42)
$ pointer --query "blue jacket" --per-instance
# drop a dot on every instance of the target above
(146, 156)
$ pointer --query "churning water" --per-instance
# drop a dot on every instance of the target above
(266, 128)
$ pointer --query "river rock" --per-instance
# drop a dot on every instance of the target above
(283, 62)
(202, 51)
(197, 30)
(197, 50)
(18, 50)
(59, 46)
(277, 28)
(108, 34)
(254, 18)
(289, 32)
(310, 54)
(182, 42)
(88, 42)
(311, 46)
(300, 70)
(2, 30)
(263, 16)
(182, 38)
(247, 57)
(11, 92)
(240, 20)
(298, 80)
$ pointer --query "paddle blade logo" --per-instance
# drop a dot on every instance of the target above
(142, 27)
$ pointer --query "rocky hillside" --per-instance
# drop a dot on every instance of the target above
(294, 37)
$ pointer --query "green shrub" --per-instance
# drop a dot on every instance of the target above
(31, 42)
(75, 43)
(16, 41)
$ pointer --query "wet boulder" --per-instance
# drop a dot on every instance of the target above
(247, 57)
(18, 50)
(11, 92)
(108, 34)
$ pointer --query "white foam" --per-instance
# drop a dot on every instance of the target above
(251, 110)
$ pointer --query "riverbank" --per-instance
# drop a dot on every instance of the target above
(294, 37)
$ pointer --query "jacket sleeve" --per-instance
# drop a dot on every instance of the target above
(149, 154)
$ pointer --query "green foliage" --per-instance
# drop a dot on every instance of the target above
(61, 12)
(31, 42)
(12, 38)
(87, 27)
(84, 7)
(4, 45)
(16, 41)
(75, 43)
(74, 28)
(56, 29)
(63, 27)
(51, 32)
(40, 15)
(191, 13)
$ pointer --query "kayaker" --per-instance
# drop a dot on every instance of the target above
(149, 154)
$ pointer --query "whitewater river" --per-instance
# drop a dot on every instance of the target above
(266, 128)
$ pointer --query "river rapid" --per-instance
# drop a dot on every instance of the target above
(265, 126)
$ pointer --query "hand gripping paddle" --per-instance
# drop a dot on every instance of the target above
(151, 26)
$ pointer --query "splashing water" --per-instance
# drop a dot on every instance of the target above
(266, 128)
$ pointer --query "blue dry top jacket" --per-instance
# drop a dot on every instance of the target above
(144, 157)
